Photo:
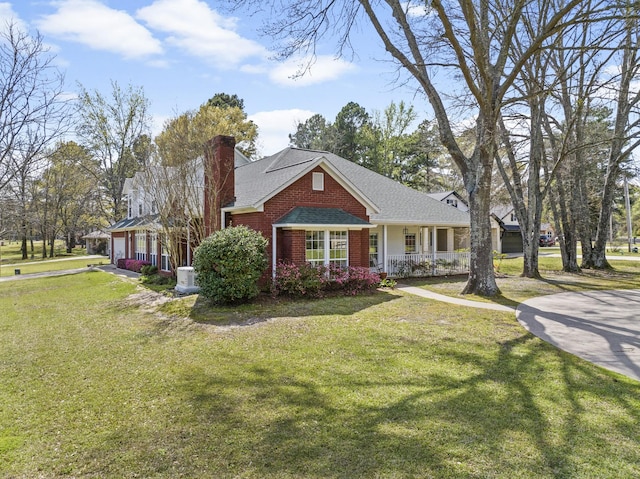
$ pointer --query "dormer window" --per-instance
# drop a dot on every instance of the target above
(453, 202)
(140, 202)
(318, 181)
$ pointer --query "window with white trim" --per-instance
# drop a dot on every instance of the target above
(452, 202)
(165, 264)
(319, 251)
(141, 245)
(373, 250)
(338, 251)
(317, 181)
(410, 243)
(153, 247)
(314, 247)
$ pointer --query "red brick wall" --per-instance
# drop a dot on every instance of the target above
(301, 193)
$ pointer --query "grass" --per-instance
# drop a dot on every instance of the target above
(12, 260)
(11, 252)
(93, 384)
(514, 289)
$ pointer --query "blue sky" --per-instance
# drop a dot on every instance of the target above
(182, 52)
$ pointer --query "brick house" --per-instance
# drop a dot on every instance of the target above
(312, 206)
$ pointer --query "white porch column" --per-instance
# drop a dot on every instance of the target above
(384, 249)
(434, 248)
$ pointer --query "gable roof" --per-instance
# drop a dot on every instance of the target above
(388, 201)
(441, 195)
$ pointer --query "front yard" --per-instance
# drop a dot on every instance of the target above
(95, 384)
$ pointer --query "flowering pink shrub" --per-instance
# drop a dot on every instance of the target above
(298, 280)
(134, 265)
(308, 280)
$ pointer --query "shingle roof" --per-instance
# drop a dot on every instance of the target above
(303, 215)
(258, 181)
(142, 222)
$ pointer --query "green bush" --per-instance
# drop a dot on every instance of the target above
(149, 269)
(229, 263)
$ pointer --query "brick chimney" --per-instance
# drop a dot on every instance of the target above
(219, 180)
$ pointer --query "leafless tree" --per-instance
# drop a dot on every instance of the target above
(33, 109)
(467, 41)
(112, 129)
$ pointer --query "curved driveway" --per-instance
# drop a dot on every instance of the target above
(602, 327)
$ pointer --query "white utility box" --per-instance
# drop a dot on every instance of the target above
(186, 281)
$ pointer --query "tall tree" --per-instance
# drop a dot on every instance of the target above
(626, 129)
(472, 40)
(33, 113)
(316, 133)
(70, 192)
(224, 100)
(111, 128)
(184, 137)
(348, 126)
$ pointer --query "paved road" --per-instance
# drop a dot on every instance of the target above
(602, 327)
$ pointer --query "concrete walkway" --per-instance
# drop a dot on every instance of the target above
(449, 299)
(602, 327)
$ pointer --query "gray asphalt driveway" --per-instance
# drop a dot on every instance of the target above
(602, 327)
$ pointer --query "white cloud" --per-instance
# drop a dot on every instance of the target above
(324, 69)
(8, 15)
(416, 9)
(200, 31)
(275, 126)
(99, 27)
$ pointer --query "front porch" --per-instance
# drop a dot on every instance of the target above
(404, 251)
(427, 264)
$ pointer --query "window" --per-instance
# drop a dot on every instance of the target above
(338, 248)
(318, 181)
(140, 202)
(452, 202)
(410, 243)
(153, 248)
(513, 217)
(129, 207)
(373, 250)
(141, 245)
(165, 264)
(315, 247)
(321, 252)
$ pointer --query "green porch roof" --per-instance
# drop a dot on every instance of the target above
(305, 215)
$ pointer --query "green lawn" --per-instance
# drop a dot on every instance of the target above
(93, 385)
(514, 289)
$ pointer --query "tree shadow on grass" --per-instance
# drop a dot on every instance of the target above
(500, 419)
(266, 307)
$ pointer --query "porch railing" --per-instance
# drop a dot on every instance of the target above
(420, 265)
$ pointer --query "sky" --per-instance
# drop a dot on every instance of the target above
(182, 52)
